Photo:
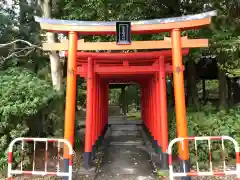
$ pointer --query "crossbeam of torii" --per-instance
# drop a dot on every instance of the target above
(96, 46)
(175, 42)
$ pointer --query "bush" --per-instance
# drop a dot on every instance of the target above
(23, 96)
(210, 122)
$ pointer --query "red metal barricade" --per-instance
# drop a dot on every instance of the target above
(45, 172)
(211, 172)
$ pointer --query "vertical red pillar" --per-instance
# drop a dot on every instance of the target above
(70, 96)
(107, 97)
(89, 117)
(143, 106)
(100, 108)
(97, 108)
(143, 103)
(94, 131)
(163, 112)
(154, 112)
(158, 115)
(104, 107)
(181, 120)
(148, 108)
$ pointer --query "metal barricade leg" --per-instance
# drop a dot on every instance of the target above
(164, 160)
(9, 163)
(66, 167)
(185, 167)
(238, 163)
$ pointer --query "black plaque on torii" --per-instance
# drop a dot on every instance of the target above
(123, 32)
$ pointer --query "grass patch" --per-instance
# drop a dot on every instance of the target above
(134, 116)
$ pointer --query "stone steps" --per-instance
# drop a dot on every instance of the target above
(125, 135)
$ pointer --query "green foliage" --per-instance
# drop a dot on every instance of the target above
(23, 93)
(114, 96)
(22, 96)
(7, 15)
(81, 93)
(225, 39)
(213, 122)
(133, 94)
(209, 122)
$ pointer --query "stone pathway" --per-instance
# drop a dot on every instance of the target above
(126, 157)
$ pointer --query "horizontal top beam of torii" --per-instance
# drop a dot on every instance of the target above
(127, 56)
(137, 27)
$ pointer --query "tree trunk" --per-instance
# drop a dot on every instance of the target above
(22, 19)
(230, 96)
(222, 85)
(192, 84)
(56, 69)
(236, 89)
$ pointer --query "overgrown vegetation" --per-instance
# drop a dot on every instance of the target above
(209, 121)
(23, 107)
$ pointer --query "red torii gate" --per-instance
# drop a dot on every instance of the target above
(101, 68)
(98, 81)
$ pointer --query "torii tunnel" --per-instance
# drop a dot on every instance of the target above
(148, 68)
